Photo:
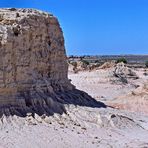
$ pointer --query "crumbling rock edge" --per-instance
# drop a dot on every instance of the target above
(33, 66)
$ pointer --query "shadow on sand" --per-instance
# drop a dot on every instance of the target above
(44, 103)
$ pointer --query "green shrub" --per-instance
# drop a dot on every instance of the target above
(146, 64)
(122, 60)
(85, 62)
(74, 64)
(96, 61)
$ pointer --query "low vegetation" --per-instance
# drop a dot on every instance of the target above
(74, 63)
(85, 62)
(122, 60)
(146, 64)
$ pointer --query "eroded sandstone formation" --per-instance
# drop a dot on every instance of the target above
(135, 101)
(33, 67)
(124, 73)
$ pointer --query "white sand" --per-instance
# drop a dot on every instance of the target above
(99, 84)
(82, 127)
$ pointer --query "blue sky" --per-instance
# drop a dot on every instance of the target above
(97, 26)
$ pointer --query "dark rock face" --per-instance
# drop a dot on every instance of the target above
(33, 67)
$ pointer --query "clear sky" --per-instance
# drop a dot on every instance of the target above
(97, 26)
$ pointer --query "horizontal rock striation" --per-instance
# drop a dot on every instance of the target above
(33, 67)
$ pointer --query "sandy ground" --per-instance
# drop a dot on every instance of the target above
(103, 86)
(99, 84)
(82, 127)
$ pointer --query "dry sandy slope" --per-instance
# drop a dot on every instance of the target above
(82, 127)
(100, 84)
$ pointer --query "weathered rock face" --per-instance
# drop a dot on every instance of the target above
(32, 48)
(124, 73)
(33, 67)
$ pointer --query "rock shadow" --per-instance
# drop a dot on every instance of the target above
(45, 103)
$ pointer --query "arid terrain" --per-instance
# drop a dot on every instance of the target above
(43, 103)
(113, 126)
(128, 101)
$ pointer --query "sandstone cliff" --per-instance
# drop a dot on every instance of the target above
(33, 67)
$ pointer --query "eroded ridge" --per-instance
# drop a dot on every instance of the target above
(33, 66)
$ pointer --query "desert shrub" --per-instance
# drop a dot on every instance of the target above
(1, 17)
(74, 64)
(97, 64)
(96, 61)
(85, 62)
(81, 58)
(122, 60)
(146, 64)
